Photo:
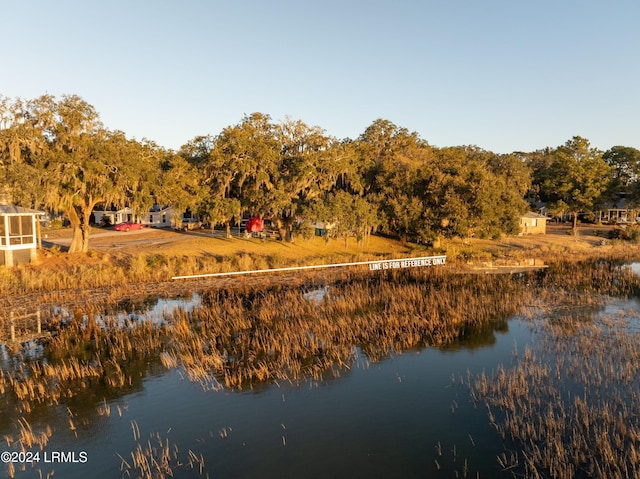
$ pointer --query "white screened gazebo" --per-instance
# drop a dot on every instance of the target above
(18, 235)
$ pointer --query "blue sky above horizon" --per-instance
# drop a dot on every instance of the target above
(504, 75)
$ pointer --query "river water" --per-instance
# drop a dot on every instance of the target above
(408, 415)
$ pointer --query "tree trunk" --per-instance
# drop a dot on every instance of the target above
(80, 230)
(282, 229)
(228, 228)
(76, 239)
(86, 227)
(575, 224)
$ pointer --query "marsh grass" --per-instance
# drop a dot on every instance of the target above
(574, 414)
(157, 458)
(572, 403)
(59, 271)
(246, 337)
(27, 440)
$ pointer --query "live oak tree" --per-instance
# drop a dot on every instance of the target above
(67, 161)
(425, 193)
(244, 161)
(343, 214)
(390, 160)
(625, 162)
(236, 169)
(575, 179)
(197, 151)
(311, 164)
(271, 170)
(180, 186)
(220, 210)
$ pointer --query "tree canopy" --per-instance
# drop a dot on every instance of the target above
(63, 159)
(575, 179)
(56, 154)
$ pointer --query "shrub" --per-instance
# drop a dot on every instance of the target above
(632, 234)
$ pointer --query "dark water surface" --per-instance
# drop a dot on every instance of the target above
(409, 415)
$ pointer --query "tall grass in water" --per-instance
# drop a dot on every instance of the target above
(81, 356)
(157, 458)
(245, 337)
(571, 403)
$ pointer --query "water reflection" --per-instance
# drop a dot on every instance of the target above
(317, 295)
(401, 415)
(478, 336)
(22, 353)
(384, 417)
(155, 311)
(635, 267)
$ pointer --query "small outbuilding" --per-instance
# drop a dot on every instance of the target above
(532, 223)
(322, 228)
(18, 234)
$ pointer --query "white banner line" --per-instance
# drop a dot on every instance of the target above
(373, 265)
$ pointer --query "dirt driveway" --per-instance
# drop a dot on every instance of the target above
(109, 239)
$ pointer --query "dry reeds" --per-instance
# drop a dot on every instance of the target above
(572, 404)
(243, 336)
(157, 458)
(253, 336)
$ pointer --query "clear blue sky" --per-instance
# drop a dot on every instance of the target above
(505, 75)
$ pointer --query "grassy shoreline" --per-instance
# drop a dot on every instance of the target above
(132, 267)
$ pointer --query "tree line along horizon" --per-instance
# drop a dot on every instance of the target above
(55, 154)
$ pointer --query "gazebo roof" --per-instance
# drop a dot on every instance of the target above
(13, 210)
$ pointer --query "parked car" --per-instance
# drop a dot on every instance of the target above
(128, 225)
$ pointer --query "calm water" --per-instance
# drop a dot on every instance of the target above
(409, 415)
(376, 420)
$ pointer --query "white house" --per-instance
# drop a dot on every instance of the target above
(157, 217)
(100, 216)
(621, 210)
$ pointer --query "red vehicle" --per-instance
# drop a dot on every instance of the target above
(128, 225)
(254, 225)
